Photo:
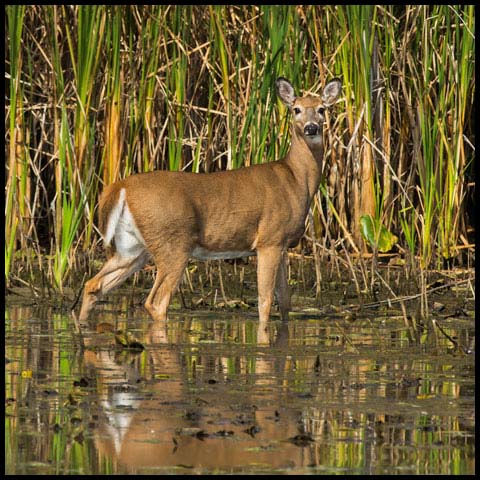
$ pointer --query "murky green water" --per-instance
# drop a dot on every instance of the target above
(211, 394)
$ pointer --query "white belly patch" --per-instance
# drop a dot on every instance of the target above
(201, 253)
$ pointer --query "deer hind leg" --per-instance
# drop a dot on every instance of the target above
(114, 272)
(268, 262)
(168, 277)
(281, 288)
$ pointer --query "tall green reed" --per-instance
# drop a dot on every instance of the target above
(443, 87)
(356, 23)
(113, 129)
(144, 55)
(460, 77)
(17, 174)
(74, 173)
(177, 30)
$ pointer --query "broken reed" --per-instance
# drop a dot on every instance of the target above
(96, 93)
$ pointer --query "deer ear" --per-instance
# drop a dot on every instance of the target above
(331, 92)
(286, 91)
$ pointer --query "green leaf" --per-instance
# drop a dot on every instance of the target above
(376, 234)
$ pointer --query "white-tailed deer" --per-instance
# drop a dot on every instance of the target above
(174, 216)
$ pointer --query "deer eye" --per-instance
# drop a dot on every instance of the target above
(321, 110)
(297, 110)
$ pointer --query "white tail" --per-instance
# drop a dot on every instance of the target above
(114, 218)
(174, 216)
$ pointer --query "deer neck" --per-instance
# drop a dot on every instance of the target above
(305, 161)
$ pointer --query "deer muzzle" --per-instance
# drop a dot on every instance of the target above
(311, 129)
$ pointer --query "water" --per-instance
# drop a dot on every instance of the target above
(212, 394)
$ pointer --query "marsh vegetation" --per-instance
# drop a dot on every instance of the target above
(96, 93)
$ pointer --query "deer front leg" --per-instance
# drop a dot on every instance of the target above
(268, 261)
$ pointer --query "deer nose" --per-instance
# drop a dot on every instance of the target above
(311, 129)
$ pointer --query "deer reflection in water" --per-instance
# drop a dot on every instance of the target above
(159, 415)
